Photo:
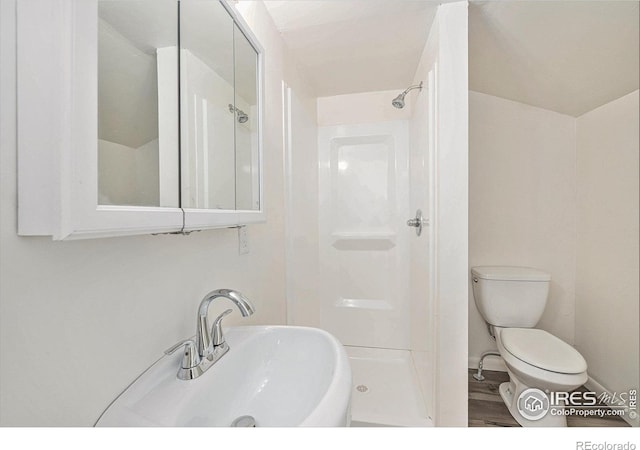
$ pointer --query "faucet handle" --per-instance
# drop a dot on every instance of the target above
(217, 337)
(190, 358)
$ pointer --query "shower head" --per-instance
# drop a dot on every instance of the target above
(241, 115)
(398, 102)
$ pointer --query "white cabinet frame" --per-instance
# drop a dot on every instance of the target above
(57, 44)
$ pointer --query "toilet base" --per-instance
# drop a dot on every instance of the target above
(511, 390)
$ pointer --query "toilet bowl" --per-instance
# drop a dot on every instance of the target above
(511, 300)
(537, 359)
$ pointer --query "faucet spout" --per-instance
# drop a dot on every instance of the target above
(203, 338)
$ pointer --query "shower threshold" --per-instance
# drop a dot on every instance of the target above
(386, 390)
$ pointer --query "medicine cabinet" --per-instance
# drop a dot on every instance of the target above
(137, 117)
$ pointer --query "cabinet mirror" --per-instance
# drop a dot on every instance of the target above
(137, 103)
(178, 106)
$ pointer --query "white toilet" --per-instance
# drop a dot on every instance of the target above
(511, 300)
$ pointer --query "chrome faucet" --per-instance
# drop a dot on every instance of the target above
(209, 346)
(203, 338)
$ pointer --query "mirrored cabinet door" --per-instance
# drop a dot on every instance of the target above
(247, 123)
(219, 118)
(207, 106)
(137, 103)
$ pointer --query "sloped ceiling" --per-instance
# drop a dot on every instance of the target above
(565, 56)
(349, 46)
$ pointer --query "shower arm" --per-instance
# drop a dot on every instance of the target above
(410, 88)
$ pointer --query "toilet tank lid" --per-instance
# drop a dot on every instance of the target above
(509, 273)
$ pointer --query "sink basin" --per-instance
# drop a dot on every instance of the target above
(280, 376)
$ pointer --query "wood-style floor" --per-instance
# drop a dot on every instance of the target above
(486, 408)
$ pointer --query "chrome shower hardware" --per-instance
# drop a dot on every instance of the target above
(242, 116)
(398, 102)
(418, 222)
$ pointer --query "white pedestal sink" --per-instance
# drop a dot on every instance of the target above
(280, 376)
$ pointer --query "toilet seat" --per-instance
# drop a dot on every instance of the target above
(543, 350)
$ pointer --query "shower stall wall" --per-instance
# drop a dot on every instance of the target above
(350, 250)
(364, 264)
(363, 239)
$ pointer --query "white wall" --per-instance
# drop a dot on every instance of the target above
(80, 320)
(607, 294)
(522, 204)
(301, 135)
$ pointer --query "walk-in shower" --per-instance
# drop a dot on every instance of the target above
(357, 166)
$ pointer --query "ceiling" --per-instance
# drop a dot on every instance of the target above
(349, 46)
(565, 56)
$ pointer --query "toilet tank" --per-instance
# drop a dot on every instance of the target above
(508, 296)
